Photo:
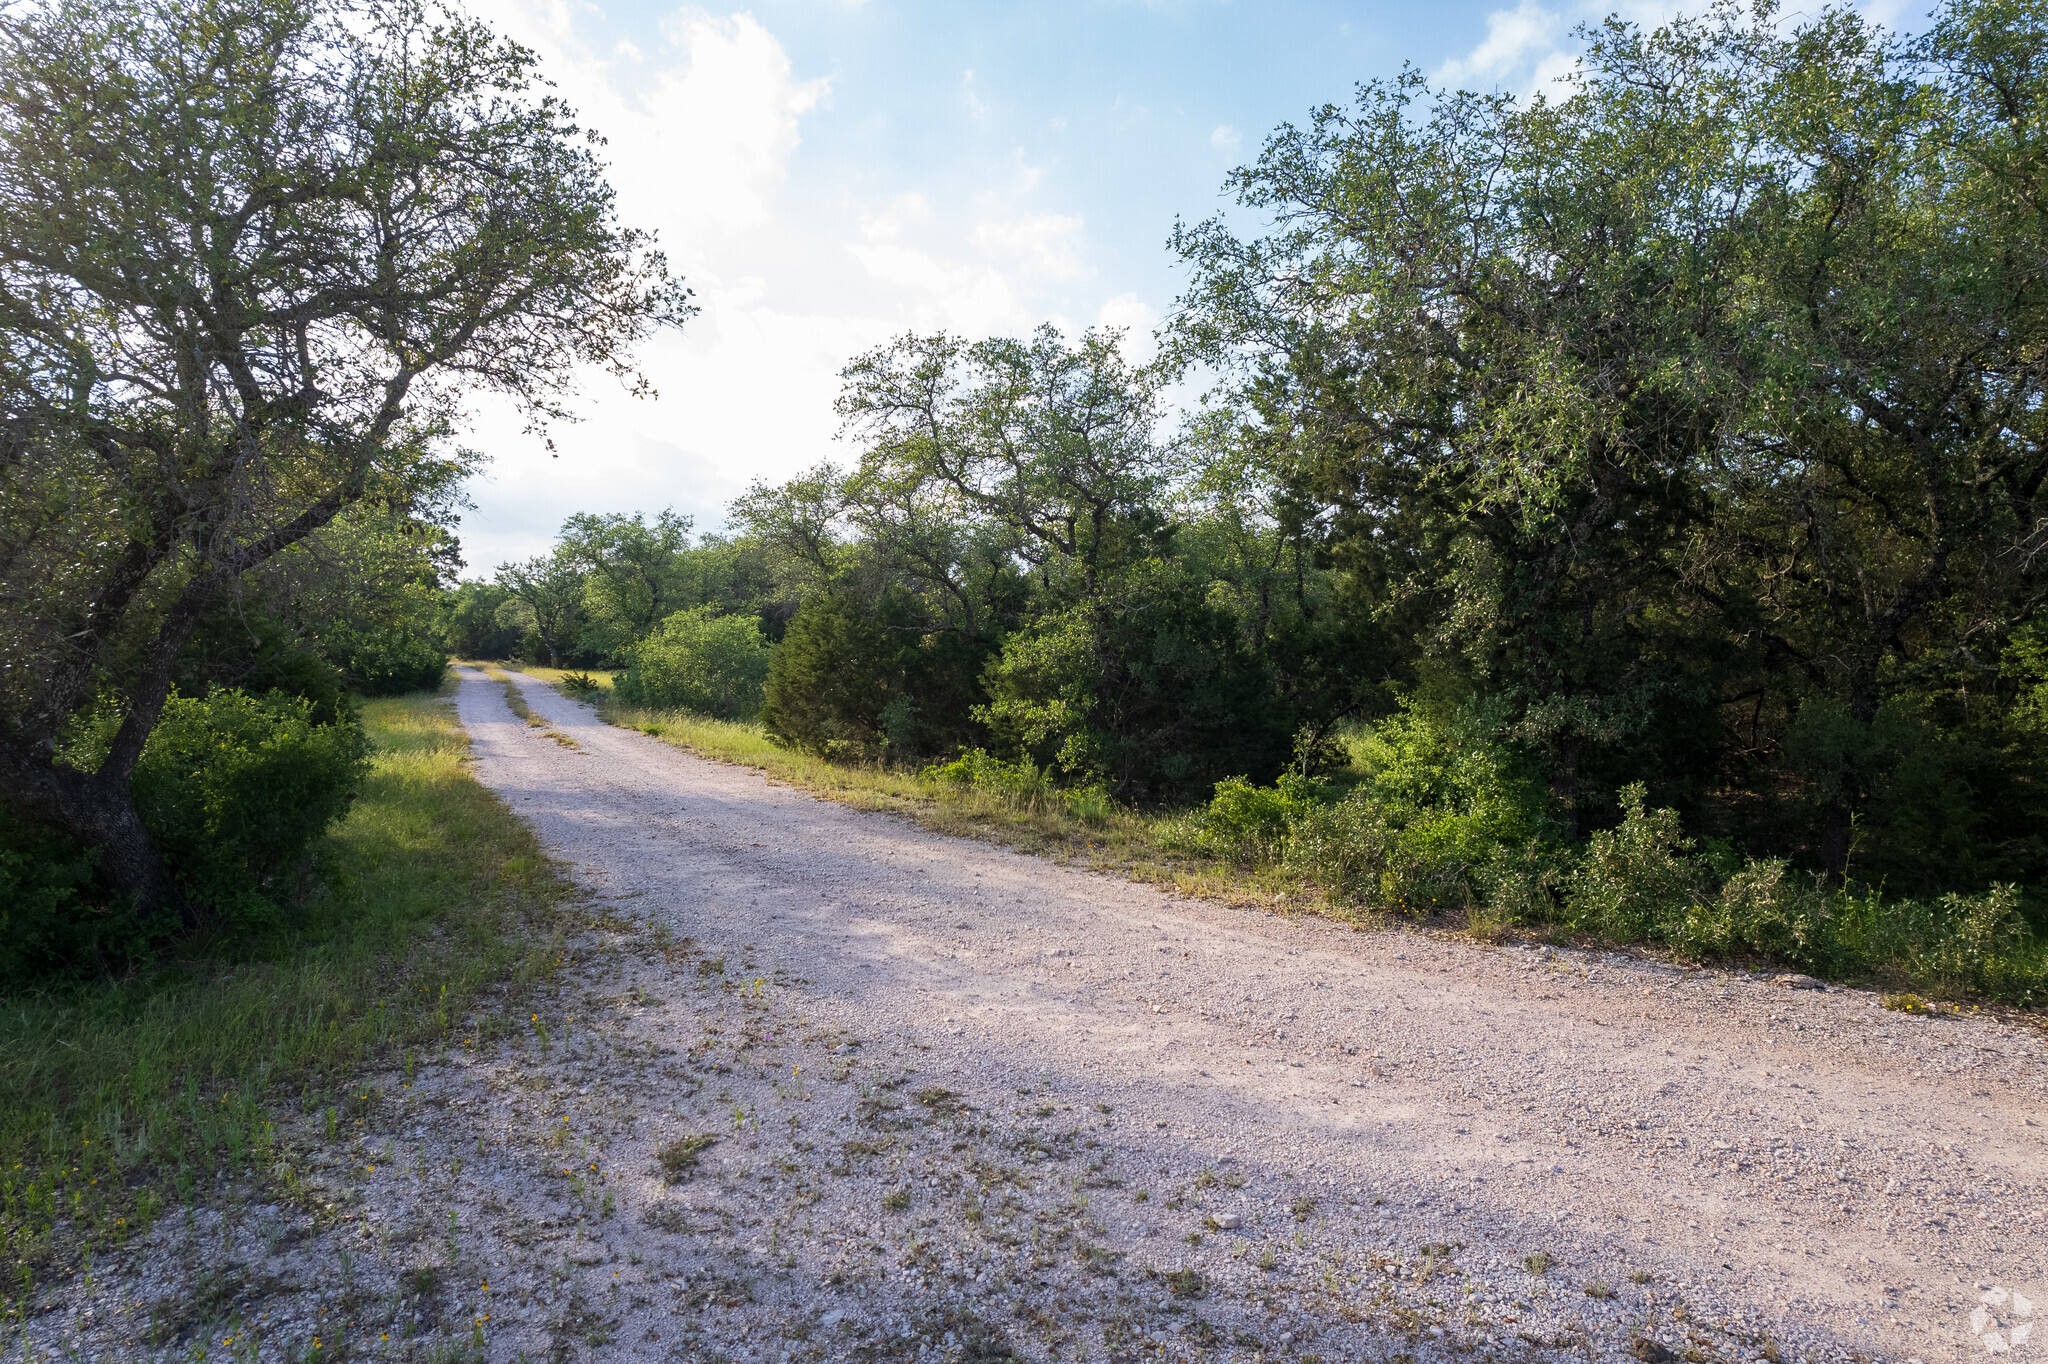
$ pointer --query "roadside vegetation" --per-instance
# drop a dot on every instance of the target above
(121, 1098)
(1617, 515)
(1353, 846)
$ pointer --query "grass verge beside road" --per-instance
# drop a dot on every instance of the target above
(121, 1098)
(1149, 846)
(1863, 938)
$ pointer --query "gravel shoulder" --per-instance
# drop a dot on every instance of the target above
(966, 1104)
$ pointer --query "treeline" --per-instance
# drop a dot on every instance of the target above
(1621, 510)
(1664, 456)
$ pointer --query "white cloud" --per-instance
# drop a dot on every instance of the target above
(705, 136)
(905, 210)
(1136, 319)
(1518, 43)
(1530, 48)
(722, 125)
(1226, 140)
(975, 108)
(1041, 243)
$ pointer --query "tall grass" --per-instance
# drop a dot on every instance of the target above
(119, 1097)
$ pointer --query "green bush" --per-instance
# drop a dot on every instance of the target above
(1443, 817)
(235, 788)
(298, 672)
(1639, 880)
(1251, 824)
(1345, 848)
(1951, 945)
(1152, 693)
(389, 660)
(839, 677)
(697, 661)
(1024, 782)
(54, 918)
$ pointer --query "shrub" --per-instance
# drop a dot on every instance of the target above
(235, 788)
(1952, 944)
(697, 661)
(1520, 884)
(1638, 880)
(839, 671)
(1443, 817)
(1344, 848)
(1152, 692)
(1024, 782)
(1251, 824)
(389, 660)
(303, 673)
(1447, 771)
(54, 918)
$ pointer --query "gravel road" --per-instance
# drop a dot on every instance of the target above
(812, 1085)
(1800, 1169)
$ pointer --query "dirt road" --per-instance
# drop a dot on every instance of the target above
(823, 1086)
(1799, 1163)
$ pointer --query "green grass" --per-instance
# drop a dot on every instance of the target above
(553, 676)
(118, 1098)
(1146, 845)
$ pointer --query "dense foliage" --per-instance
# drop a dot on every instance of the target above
(234, 788)
(698, 661)
(1621, 511)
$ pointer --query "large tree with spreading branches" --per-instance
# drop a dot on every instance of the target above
(254, 257)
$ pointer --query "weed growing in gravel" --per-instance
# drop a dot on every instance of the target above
(1538, 1264)
(679, 1158)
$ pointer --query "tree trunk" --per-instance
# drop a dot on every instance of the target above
(1837, 823)
(99, 811)
(129, 861)
(97, 808)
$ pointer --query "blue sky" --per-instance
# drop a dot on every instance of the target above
(827, 174)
